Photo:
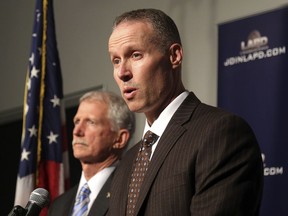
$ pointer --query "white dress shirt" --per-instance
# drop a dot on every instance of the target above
(160, 124)
(95, 183)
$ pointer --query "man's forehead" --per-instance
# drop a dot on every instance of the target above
(128, 31)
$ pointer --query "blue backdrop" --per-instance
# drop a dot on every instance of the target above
(253, 82)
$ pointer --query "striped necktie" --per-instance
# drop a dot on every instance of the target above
(82, 200)
(140, 168)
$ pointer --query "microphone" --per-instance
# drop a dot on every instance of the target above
(39, 198)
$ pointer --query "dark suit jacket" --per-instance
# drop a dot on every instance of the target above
(63, 205)
(207, 162)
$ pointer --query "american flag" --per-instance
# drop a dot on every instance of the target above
(44, 156)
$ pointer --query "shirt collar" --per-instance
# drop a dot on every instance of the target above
(162, 121)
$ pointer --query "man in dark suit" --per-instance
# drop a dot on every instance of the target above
(206, 161)
(103, 125)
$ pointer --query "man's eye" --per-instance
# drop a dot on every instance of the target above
(91, 122)
(136, 55)
(116, 61)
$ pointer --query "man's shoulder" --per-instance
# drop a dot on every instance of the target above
(69, 193)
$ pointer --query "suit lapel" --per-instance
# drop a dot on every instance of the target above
(172, 133)
(101, 203)
(70, 200)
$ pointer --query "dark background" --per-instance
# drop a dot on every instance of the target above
(10, 156)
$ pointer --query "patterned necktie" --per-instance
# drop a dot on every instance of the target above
(140, 168)
(82, 200)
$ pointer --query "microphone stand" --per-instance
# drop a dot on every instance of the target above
(18, 211)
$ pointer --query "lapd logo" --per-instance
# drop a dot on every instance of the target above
(254, 48)
(254, 42)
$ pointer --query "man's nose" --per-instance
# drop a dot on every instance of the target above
(124, 71)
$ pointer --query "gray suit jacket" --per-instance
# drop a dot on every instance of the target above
(207, 162)
(63, 205)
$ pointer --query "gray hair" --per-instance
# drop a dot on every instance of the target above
(118, 112)
(165, 30)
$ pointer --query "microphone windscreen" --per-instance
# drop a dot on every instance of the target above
(40, 196)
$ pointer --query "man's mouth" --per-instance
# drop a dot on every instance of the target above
(129, 92)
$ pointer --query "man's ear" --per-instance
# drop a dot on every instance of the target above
(122, 139)
(176, 55)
